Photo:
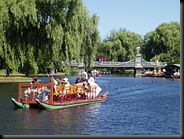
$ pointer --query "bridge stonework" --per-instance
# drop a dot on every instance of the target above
(138, 65)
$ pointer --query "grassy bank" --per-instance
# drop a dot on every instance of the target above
(4, 79)
(19, 77)
(15, 78)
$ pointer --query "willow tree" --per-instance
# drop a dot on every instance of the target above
(121, 45)
(163, 43)
(19, 23)
(91, 41)
(66, 23)
(3, 25)
(38, 34)
(59, 20)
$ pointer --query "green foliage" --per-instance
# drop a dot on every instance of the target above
(38, 34)
(163, 43)
(120, 46)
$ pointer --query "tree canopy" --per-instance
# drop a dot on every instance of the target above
(163, 43)
(39, 34)
(120, 45)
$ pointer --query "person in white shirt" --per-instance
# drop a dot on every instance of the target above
(85, 75)
(91, 78)
(55, 83)
(91, 81)
(66, 84)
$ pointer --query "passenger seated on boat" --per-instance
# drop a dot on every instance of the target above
(43, 93)
(78, 81)
(31, 93)
(66, 84)
(84, 88)
(88, 89)
(90, 77)
(85, 75)
(97, 88)
(85, 83)
(34, 80)
(92, 82)
(27, 92)
(30, 90)
(80, 92)
(55, 83)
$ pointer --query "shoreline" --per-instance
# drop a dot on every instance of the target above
(14, 81)
(39, 75)
(13, 78)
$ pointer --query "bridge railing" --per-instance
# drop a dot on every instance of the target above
(106, 63)
(123, 64)
(159, 64)
(131, 63)
(112, 63)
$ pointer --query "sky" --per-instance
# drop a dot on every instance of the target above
(138, 16)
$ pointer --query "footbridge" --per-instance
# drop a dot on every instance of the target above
(138, 63)
(129, 64)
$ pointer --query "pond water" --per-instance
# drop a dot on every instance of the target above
(135, 106)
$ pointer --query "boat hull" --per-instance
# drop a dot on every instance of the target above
(18, 104)
(44, 105)
(24, 104)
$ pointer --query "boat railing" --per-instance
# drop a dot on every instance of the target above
(45, 92)
(28, 92)
(73, 92)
